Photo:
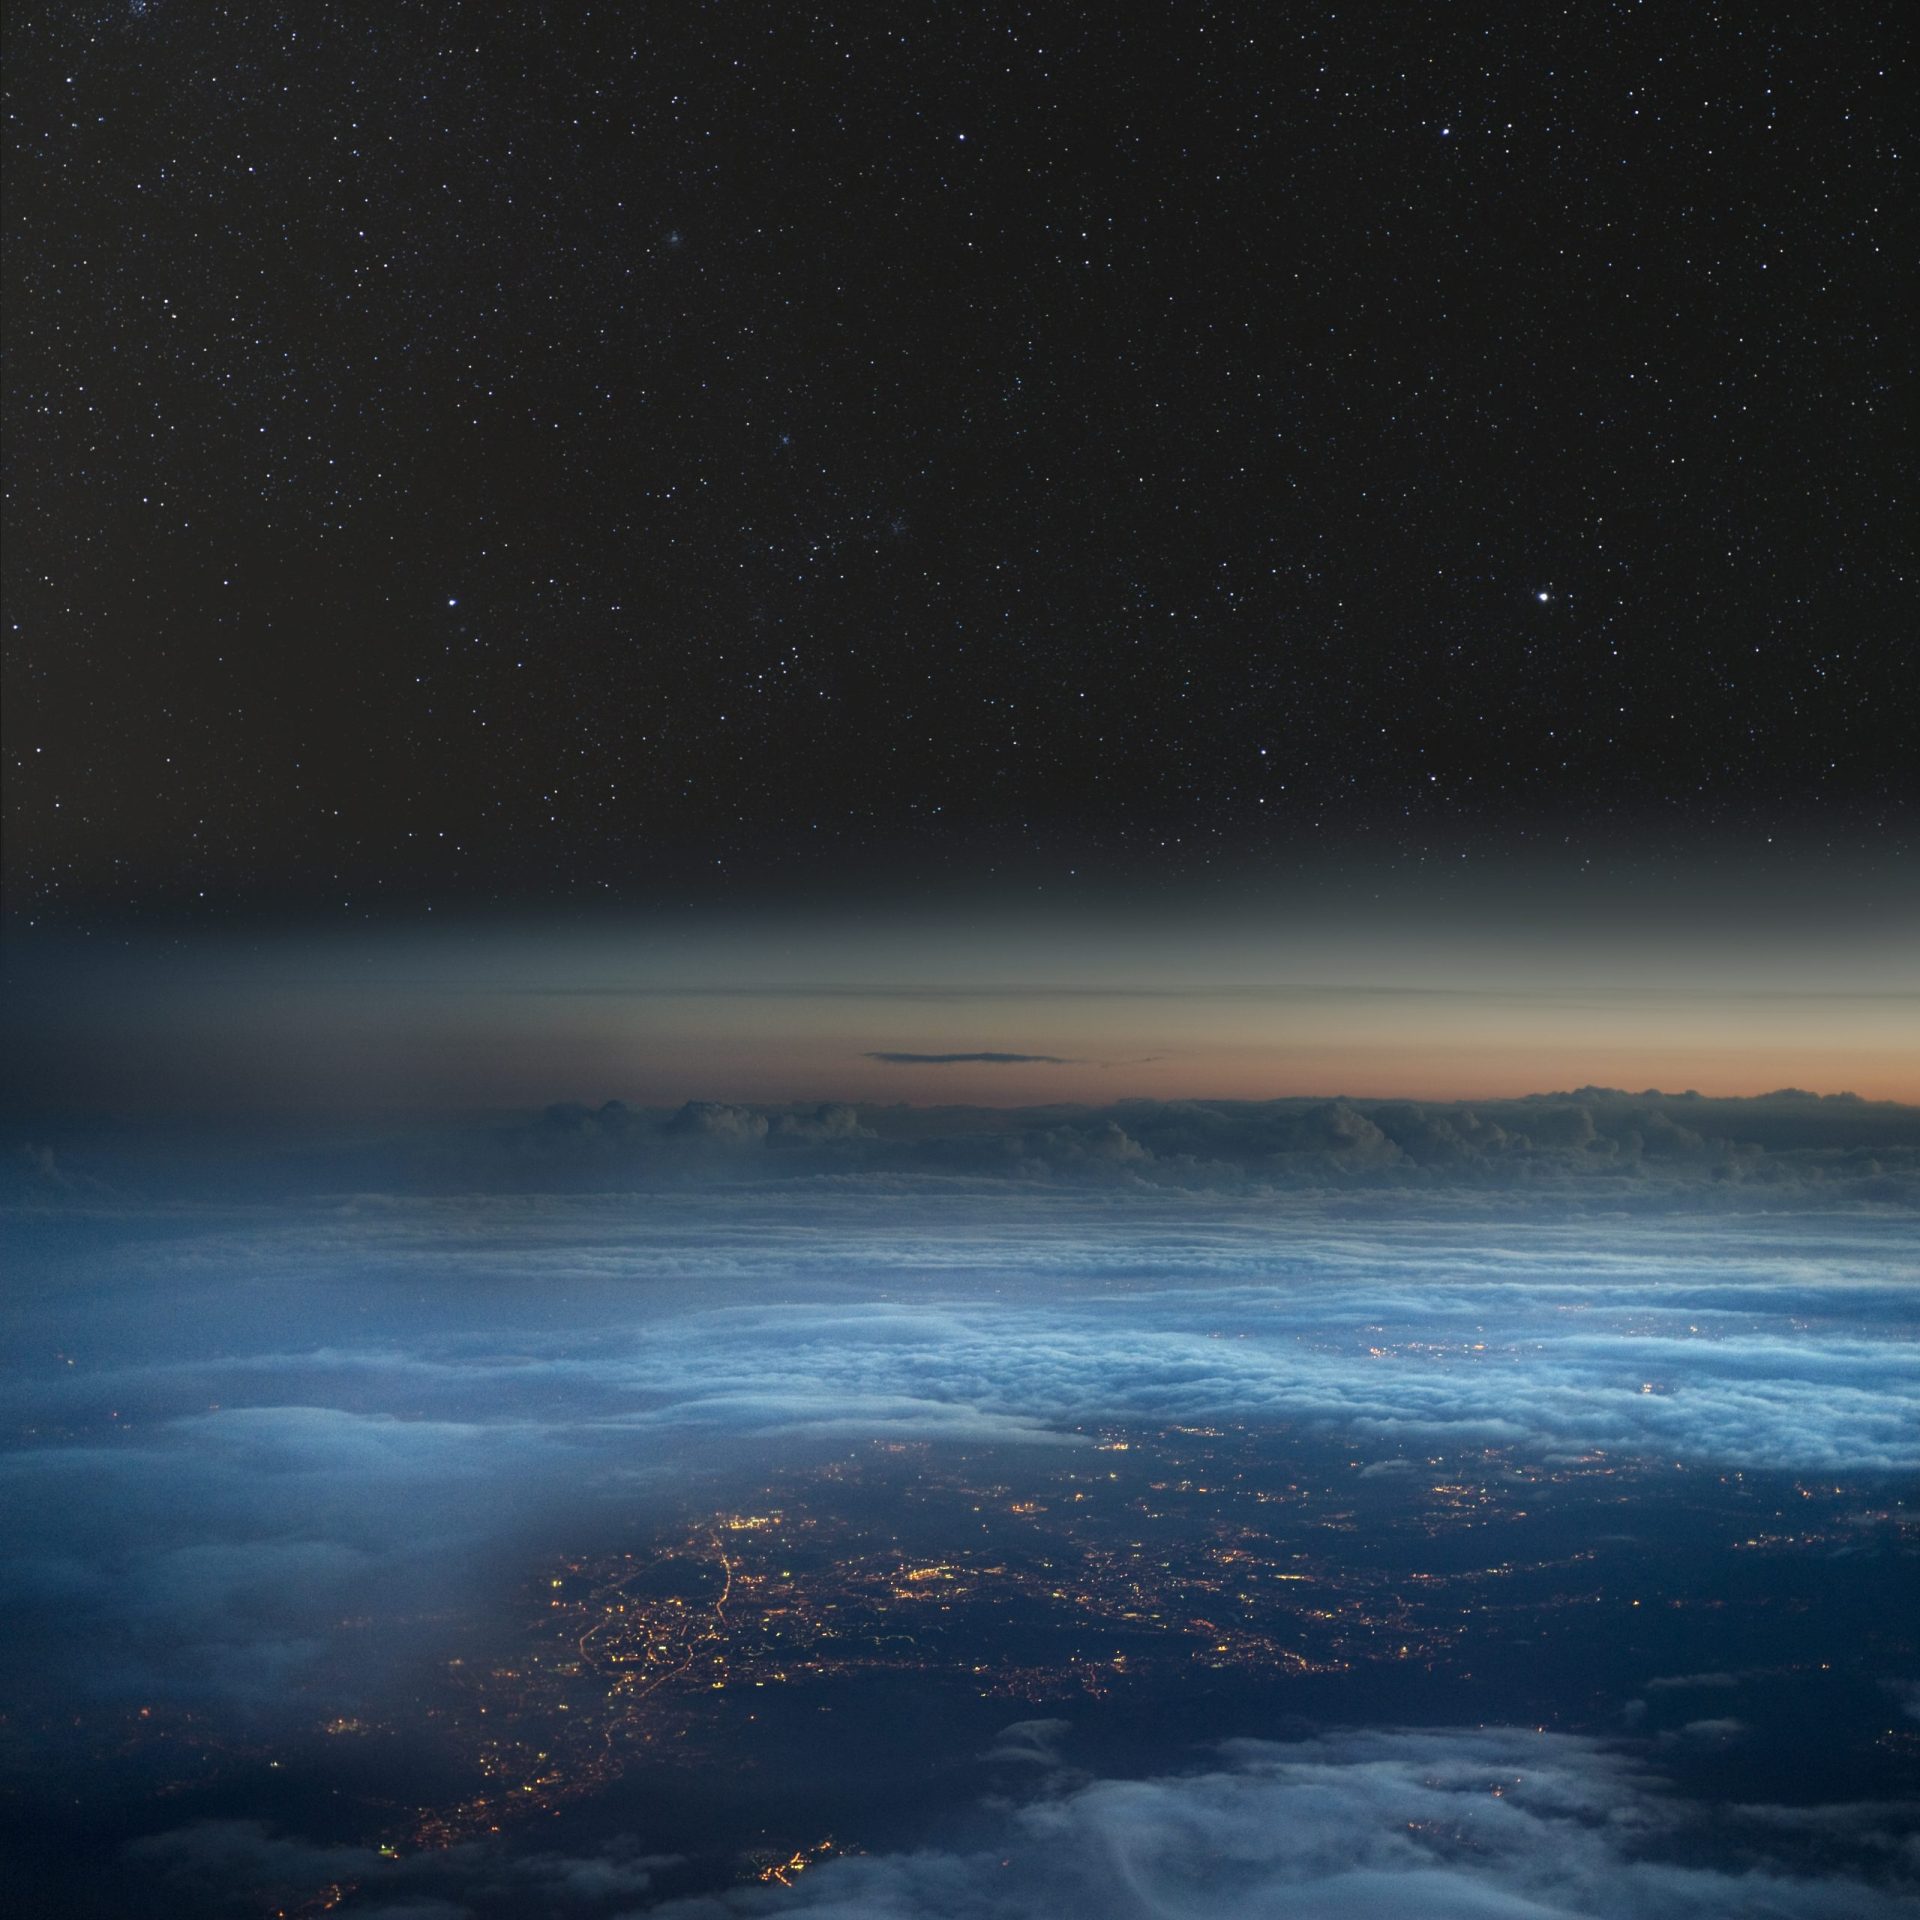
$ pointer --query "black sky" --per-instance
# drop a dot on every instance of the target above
(456, 457)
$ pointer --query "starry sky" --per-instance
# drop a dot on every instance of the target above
(465, 469)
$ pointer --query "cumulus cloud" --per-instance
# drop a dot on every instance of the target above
(1594, 1147)
(831, 1121)
(710, 1123)
(1448, 1824)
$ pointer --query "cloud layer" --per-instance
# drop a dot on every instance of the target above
(271, 1410)
(235, 1421)
(1448, 1824)
(1595, 1146)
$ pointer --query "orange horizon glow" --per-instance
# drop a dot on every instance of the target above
(287, 1052)
(1157, 1008)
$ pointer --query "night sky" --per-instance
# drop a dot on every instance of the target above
(971, 948)
(462, 463)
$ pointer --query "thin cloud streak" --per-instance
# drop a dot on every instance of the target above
(974, 1059)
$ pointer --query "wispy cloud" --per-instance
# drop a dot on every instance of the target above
(973, 1059)
(1473, 1823)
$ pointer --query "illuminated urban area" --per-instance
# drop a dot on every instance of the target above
(1132, 1567)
